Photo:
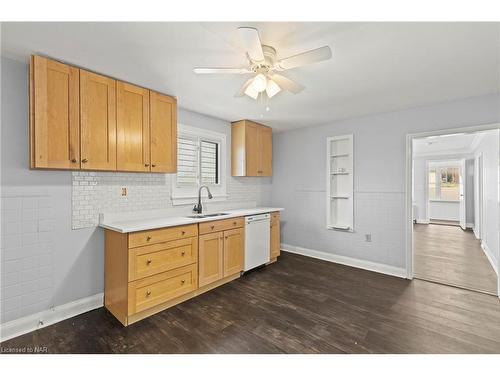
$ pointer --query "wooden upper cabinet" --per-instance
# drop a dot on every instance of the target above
(163, 133)
(54, 115)
(251, 149)
(132, 113)
(98, 121)
(83, 120)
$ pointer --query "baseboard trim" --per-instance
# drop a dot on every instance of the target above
(489, 255)
(347, 261)
(469, 226)
(46, 318)
(419, 221)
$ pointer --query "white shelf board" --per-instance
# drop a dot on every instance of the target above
(337, 173)
(340, 196)
(339, 155)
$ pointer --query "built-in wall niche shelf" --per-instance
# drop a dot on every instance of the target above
(339, 202)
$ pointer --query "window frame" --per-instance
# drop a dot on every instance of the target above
(183, 195)
(439, 166)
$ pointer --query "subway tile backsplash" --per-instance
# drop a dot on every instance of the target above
(101, 192)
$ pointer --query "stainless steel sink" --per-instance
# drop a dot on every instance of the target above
(201, 216)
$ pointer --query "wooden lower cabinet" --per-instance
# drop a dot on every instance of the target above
(234, 246)
(211, 258)
(149, 271)
(275, 235)
(221, 255)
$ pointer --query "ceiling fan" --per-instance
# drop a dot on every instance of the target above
(263, 65)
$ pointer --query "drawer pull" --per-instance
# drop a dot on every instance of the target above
(148, 238)
(183, 253)
(148, 262)
(212, 227)
(234, 223)
(146, 164)
(148, 293)
(183, 232)
(183, 281)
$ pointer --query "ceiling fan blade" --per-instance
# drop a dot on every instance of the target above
(221, 71)
(287, 83)
(304, 58)
(241, 92)
(251, 42)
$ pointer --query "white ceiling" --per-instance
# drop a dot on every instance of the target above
(376, 67)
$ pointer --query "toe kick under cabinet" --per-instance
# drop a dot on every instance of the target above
(149, 271)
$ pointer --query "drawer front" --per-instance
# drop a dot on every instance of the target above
(152, 259)
(275, 218)
(149, 237)
(220, 225)
(153, 290)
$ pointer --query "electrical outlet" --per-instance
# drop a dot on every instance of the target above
(368, 237)
(124, 192)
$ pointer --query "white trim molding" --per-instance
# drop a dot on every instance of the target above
(347, 261)
(490, 256)
(46, 318)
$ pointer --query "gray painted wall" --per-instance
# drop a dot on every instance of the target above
(299, 178)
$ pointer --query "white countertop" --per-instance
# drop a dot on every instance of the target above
(146, 223)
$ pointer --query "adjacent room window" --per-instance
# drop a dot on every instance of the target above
(200, 161)
(444, 183)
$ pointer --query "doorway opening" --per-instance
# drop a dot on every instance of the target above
(453, 230)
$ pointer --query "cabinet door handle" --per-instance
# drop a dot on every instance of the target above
(73, 160)
(234, 223)
(183, 232)
(146, 165)
(148, 262)
(153, 165)
(183, 281)
(148, 238)
(148, 293)
(212, 227)
(183, 253)
(85, 160)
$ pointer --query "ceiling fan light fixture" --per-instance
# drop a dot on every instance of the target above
(251, 91)
(272, 88)
(259, 82)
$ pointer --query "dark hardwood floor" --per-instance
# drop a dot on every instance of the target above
(297, 305)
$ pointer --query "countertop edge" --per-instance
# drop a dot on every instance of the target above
(187, 221)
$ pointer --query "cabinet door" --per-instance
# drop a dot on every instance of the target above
(54, 115)
(132, 113)
(275, 236)
(210, 258)
(98, 121)
(233, 251)
(252, 150)
(266, 151)
(163, 133)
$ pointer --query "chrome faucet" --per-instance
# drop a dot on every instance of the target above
(198, 208)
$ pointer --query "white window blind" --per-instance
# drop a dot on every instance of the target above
(201, 158)
(187, 161)
(209, 162)
(197, 160)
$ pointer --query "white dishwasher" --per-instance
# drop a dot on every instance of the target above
(257, 240)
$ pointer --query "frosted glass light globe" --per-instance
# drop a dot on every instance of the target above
(260, 82)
